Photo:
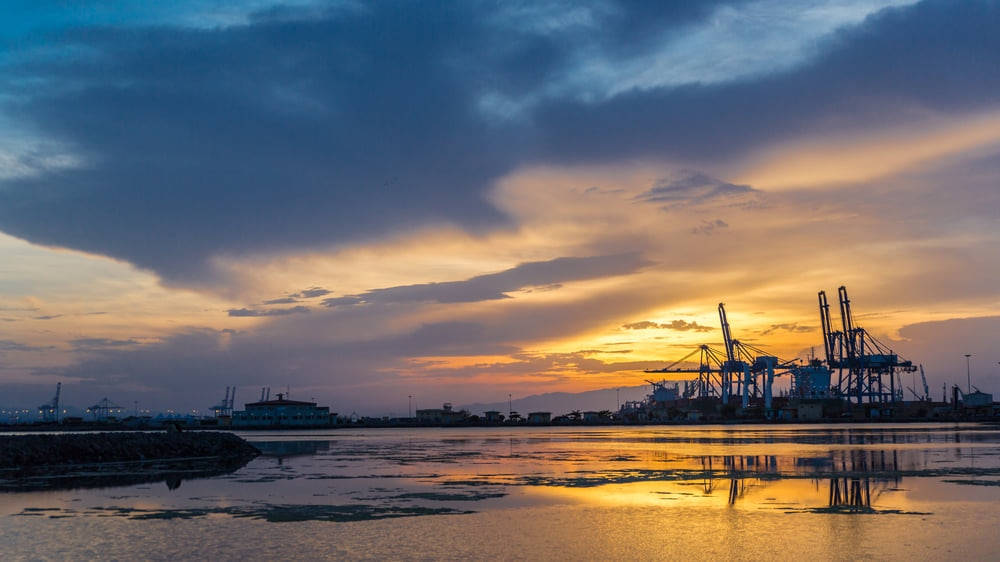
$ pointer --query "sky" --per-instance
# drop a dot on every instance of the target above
(457, 201)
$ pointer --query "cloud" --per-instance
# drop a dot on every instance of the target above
(356, 356)
(342, 301)
(940, 346)
(48, 317)
(10, 345)
(312, 293)
(788, 327)
(708, 227)
(373, 124)
(95, 344)
(282, 300)
(677, 325)
(545, 275)
(247, 313)
(693, 188)
(642, 325)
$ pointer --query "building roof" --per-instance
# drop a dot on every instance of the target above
(281, 402)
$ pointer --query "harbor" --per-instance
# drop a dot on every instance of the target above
(858, 378)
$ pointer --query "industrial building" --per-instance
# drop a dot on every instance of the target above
(445, 415)
(539, 418)
(283, 413)
(493, 416)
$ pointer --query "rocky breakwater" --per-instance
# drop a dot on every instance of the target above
(102, 459)
(25, 451)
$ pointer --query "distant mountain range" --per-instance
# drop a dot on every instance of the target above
(564, 402)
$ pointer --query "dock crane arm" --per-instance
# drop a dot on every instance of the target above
(727, 336)
(828, 336)
(847, 319)
(670, 368)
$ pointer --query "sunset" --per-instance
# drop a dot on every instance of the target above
(380, 207)
(365, 203)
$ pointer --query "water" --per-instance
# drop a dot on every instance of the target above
(826, 492)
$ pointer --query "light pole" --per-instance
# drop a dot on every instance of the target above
(968, 371)
(618, 398)
(510, 407)
(409, 406)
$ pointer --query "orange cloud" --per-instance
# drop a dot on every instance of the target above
(867, 155)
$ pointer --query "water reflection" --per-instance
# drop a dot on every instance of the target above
(281, 450)
(604, 493)
(430, 472)
(853, 494)
(116, 475)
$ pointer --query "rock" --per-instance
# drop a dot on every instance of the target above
(27, 451)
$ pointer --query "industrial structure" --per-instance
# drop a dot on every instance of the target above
(857, 369)
(283, 413)
(225, 408)
(105, 410)
(445, 415)
(50, 410)
(741, 370)
(867, 371)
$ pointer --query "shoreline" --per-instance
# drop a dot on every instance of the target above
(106, 428)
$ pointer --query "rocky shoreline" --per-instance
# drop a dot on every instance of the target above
(54, 450)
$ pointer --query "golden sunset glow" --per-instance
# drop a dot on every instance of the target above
(476, 231)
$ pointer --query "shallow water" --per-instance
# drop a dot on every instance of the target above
(839, 492)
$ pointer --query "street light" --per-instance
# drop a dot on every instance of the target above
(968, 371)
(409, 406)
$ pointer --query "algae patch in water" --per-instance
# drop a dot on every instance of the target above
(856, 510)
(449, 497)
(974, 482)
(271, 513)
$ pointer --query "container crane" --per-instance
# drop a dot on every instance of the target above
(225, 407)
(750, 369)
(867, 369)
(104, 409)
(50, 410)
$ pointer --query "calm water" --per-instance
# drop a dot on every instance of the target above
(841, 492)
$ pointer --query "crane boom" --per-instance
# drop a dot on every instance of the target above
(847, 321)
(829, 337)
(727, 337)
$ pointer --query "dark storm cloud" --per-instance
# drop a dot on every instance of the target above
(935, 55)
(247, 312)
(311, 127)
(544, 274)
